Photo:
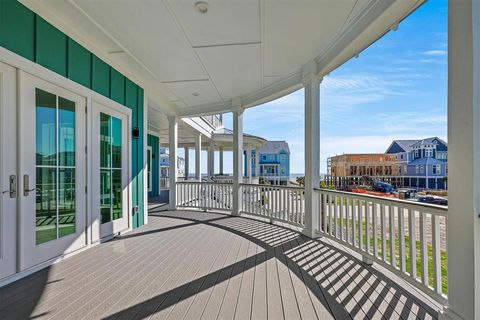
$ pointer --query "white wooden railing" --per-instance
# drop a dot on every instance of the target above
(280, 203)
(204, 195)
(164, 183)
(385, 230)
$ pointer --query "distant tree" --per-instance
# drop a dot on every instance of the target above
(301, 181)
(261, 180)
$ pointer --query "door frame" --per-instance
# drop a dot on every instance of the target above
(33, 254)
(8, 167)
(119, 227)
(24, 65)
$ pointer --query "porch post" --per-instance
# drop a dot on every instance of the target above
(311, 83)
(198, 157)
(211, 158)
(249, 163)
(237, 155)
(257, 163)
(220, 159)
(463, 231)
(172, 170)
(187, 160)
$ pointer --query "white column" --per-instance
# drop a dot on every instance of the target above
(187, 162)
(463, 231)
(198, 157)
(248, 150)
(220, 159)
(237, 157)
(173, 172)
(211, 159)
(312, 152)
(257, 163)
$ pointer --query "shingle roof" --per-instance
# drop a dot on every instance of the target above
(404, 144)
(273, 147)
(428, 141)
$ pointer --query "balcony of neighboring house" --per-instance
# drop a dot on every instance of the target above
(93, 248)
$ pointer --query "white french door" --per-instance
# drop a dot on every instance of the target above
(110, 165)
(52, 171)
(8, 171)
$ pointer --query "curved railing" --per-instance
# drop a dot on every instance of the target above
(204, 195)
(408, 238)
(281, 203)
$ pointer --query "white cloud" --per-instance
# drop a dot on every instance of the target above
(435, 53)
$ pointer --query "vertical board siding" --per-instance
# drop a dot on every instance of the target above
(28, 35)
(100, 77)
(51, 47)
(79, 64)
(117, 86)
(17, 28)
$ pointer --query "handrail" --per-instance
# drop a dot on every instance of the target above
(440, 210)
(271, 186)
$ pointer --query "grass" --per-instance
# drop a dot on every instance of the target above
(443, 253)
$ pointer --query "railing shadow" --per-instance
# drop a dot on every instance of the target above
(344, 286)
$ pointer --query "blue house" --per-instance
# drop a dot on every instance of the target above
(274, 162)
(422, 163)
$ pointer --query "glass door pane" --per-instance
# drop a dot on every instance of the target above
(55, 166)
(110, 168)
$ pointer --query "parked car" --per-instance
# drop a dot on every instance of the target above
(433, 200)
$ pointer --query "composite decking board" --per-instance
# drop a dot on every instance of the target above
(161, 260)
(215, 299)
(111, 278)
(186, 263)
(180, 309)
(170, 283)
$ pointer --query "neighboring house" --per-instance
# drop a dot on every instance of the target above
(424, 164)
(365, 164)
(165, 162)
(274, 162)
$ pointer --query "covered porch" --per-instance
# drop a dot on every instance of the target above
(198, 265)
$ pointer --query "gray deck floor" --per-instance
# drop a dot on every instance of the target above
(197, 265)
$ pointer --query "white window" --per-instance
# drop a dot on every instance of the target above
(428, 153)
(416, 153)
(417, 169)
(405, 169)
(282, 157)
(437, 169)
(421, 169)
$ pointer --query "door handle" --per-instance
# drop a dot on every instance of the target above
(26, 185)
(13, 187)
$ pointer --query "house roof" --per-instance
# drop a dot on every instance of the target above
(273, 147)
(428, 141)
(403, 144)
(427, 161)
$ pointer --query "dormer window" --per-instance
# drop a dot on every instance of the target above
(416, 153)
(428, 153)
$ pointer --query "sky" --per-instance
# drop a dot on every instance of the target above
(395, 89)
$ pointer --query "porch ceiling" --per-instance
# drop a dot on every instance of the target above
(193, 63)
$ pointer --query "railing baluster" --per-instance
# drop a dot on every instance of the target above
(391, 215)
(349, 211)
(384, 232)
(342, 214)
(437, 267)
(413, 243)
(401, 238)
(360, 223)
(375, 230)
(367, 226)
(423, 247)
(354, 221)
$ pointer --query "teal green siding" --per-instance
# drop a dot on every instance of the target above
(17, 28)
(79, 64)
(51, 47)
(117, 86)
(27, 34)
(100, 76)
(153, 142)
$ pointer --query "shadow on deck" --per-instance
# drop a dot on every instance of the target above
(193, 265)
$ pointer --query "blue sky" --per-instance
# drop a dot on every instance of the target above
(395, 89)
